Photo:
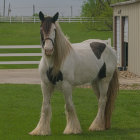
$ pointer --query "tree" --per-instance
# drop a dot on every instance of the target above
(88, 8)
(101, 11)
(36, 15)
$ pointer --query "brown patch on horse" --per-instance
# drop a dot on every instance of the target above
(45, 28)
(42, 37)
(97, 48)
(54, 78)
(46, 25)
(102, 72)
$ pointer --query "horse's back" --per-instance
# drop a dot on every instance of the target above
(91, 47)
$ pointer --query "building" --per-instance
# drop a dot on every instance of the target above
(126, 31)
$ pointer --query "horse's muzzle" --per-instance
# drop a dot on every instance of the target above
(49, 52)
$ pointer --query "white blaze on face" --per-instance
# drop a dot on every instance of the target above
(49, 46)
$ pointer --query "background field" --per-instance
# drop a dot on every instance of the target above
(20, 111)
(29, 34)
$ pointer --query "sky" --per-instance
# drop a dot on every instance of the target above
(49, 7)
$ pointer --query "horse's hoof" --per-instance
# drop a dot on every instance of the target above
(72, 131)
(37, 132)
(96, 128)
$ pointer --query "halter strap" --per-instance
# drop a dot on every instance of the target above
(50, 40)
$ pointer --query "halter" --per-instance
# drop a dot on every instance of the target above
(49, 39)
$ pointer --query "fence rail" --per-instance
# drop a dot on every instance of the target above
(26, 54)
(19, 54)
(27, 19)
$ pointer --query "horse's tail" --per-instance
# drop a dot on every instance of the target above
(111, 96)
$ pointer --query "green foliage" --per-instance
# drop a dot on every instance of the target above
(36, 15)
(107, 13)
(88, 8)
(20, 111)
(102, 13)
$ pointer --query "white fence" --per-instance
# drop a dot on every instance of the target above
(26, 54)
(19, 54)
(36, 19)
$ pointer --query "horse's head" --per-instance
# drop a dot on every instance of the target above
(48, 33)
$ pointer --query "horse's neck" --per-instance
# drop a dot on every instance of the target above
(49, 61)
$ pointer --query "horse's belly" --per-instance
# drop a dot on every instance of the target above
(82, 77)
(86, 67)
(81, 66)
(86, 71)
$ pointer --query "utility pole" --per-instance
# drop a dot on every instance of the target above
(4, 8)
(33, 10)
(71, 11)
(9, 9)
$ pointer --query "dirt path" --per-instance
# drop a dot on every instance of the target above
(129, 80)
(31, 76)
(20, 76)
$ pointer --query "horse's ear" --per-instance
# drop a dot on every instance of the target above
(55, 17)
(41, 16)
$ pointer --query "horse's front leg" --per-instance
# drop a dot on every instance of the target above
(73, 124)
(43, 127)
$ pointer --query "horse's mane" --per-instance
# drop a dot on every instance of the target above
(62, 48)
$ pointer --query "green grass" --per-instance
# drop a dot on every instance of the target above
(15, 66)
(19, 34)
(20, 110)
(21, 58)
(30, 50)
(29, 34)
(77, 32)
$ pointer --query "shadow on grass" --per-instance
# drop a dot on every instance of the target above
(123, 133)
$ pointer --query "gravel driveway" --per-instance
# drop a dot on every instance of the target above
(31, 76)
(19, 76)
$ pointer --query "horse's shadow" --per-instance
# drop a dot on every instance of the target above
(114, 132)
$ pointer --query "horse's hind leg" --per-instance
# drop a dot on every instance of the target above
(99, 122)
(96, 89)
(73, 124)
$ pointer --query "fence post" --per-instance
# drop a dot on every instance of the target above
(109, 41)
(22, 19)
(34, 19)
(80, 19)
(92, 19)
(10, 19)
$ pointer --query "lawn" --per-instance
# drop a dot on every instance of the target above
(29, 34)
(20, 111)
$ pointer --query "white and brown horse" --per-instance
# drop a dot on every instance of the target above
(64, 65)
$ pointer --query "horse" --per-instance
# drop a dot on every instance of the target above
(64, 65)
